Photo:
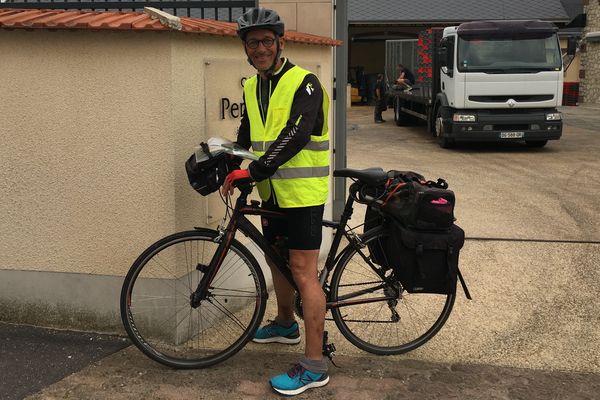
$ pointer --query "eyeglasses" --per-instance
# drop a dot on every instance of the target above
(266, 42)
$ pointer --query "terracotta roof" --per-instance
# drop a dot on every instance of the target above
(123, 20)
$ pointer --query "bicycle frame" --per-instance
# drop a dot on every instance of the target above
(239, 221)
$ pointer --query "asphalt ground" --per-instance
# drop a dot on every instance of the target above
(33, 357)
(532, 219)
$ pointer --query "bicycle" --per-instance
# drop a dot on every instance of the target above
(195, 298)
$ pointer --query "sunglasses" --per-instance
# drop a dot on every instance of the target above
(253, 43)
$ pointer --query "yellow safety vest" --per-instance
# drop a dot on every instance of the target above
(303, 180)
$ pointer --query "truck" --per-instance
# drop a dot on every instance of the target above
(486, 81)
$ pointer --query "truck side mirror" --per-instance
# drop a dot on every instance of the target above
(571, 46)
(442, 54)
(444, 61)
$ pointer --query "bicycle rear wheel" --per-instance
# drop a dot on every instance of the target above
(395, 325)
(155, 301)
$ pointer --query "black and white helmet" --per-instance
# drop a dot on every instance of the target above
(259, 18)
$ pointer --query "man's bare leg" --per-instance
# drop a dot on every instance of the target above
(304, 269)
(284, 292)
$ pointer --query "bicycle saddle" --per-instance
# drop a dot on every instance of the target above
(370, 176)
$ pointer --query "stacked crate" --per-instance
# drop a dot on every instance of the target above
(425, 56)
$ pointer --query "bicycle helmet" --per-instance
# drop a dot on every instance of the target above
(259, 18)
(206, 170)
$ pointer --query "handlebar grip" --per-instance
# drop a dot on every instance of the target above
(243, 181)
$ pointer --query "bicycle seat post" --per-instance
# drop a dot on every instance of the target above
(346, 214)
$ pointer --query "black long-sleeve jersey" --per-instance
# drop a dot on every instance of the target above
(308, 104)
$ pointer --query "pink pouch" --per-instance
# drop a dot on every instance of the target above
(441, 200)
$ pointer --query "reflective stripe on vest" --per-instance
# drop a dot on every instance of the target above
(312, 145)
(302, 172)
(304, 179)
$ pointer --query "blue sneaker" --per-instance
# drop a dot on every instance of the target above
(297, 380)
(274, 333)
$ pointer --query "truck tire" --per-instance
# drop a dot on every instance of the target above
(443, 140)
(431, 121)
(536, 143)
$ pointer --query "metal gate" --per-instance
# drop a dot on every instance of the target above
(403, 51)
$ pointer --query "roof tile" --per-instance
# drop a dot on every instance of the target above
(122, 20)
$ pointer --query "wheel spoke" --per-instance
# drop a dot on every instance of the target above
(157, 312)
(368, 323)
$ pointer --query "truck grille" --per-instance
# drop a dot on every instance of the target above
(505, 98)
(511, 127)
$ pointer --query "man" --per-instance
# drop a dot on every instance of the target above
(285, 122)
(380, 100)
(405, 77)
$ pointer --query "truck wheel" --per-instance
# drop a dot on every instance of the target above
(443, 140)
(536, 143)
(431, 122)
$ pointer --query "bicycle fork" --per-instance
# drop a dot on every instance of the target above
(202, 291)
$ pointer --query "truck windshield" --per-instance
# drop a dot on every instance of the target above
(509, 55)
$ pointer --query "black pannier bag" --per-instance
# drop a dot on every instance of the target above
(426, 261)
(424, 244)
(208, 175)
(373, 218)
(423, 205)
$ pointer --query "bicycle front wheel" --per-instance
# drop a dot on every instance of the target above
(375, 314)
(156, 309)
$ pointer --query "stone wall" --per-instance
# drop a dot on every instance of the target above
(589, 91)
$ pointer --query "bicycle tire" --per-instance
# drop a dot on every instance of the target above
(371, 326)
(155, 301)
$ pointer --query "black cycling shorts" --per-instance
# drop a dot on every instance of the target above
(301, 227)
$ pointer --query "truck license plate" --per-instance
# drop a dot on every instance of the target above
(511, 135)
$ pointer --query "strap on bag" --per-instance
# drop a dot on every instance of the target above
(206, 150)
(464, 285)
(440, 184)
(460, 277)
(419, 252)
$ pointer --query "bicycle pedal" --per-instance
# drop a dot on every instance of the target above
(329, 351)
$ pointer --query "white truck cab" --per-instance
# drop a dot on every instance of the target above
(501, 80)
(487, 81)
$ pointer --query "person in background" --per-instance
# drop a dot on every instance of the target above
(380, 100)
(405, 77)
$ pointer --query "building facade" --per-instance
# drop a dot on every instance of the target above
(101, 111)
(589, 91)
